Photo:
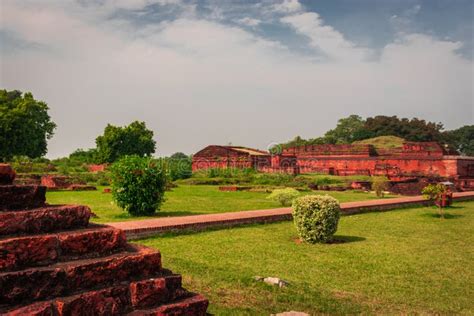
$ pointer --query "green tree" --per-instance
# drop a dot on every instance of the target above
(348, 129)
(25, 125)
(462, 139)
(84, 156)
(412, 130)
(179, 166)
(118, 141)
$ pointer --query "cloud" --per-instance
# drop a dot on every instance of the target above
(288, 6)
(325, 38)
(249, 21)
(197, 81)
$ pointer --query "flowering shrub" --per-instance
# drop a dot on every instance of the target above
(316, 217)
(138, 184)
(284, 196)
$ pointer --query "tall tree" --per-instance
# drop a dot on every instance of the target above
(118, 141)
(25, 125)
(462, 139)
(413, 130)
(348, 129)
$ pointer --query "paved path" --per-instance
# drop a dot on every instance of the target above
(148, 227)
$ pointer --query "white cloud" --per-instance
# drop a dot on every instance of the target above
(249, 21)
(288, 6)
(197, 82)
(325, 38)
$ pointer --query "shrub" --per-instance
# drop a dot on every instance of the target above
(138, 184)
(435, 193)
(316, 217)
(284, 196)
(379, 185)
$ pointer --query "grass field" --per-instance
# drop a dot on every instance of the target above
(184, 200)
(400, 262)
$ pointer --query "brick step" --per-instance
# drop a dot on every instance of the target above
(196, 305)
(68, 278)
(118, 299)
(38, 250)
(43, 220)
(15, 197)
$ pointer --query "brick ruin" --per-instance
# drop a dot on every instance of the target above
(413, 160)
(54, 262)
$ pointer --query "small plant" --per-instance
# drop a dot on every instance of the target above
(316, 217)
(380, 185)
(138, 184)
(435, 192)
(284, 196)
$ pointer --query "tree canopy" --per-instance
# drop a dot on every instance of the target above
(118, 141)
(25, 125)
(462, 139)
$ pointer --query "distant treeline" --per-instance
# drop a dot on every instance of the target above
(354, 128)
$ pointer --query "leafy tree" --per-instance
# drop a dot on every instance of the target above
(84, 156)
(25, 125)
(462, 139)
(435, 192)
(412, 130)
(117, 141)
(179, 166)
(347, 130)
(179, 156)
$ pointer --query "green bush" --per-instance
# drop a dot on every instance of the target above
(316, 217)
(138, 184)
(284, 196)
(380, 185)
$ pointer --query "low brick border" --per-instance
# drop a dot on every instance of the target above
(149, 227)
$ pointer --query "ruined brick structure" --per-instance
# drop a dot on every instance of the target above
(54, 262)
(230, 157)
(412, 160)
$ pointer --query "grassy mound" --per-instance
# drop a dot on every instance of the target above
(383, 142)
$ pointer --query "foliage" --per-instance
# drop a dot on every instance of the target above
(117, 141)
(88, 156)
(25, 125)
(316, 217)
(284, 196)
(347, 130)
(435, 193)
(380, 185)
(462, 139)
(138, 184)
(177, 166)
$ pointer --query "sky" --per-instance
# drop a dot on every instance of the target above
(250, 73)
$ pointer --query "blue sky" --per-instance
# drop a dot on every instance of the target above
(247, 72)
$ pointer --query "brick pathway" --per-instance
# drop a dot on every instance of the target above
(148, 227)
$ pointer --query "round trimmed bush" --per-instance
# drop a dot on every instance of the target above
(138, 184)
(316, 217)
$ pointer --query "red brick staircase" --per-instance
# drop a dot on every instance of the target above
(53, 262)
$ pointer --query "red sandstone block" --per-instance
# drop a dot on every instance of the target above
(45, 219)
(94, 241)
(26, 251)
(69, 277)
(110, 301)
(153, 292)
(144, 263)
(15, 197)
(37, 309)
(7, 175)
(192, 306)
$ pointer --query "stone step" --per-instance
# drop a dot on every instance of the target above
(16, 197)
(195, 305)
(118, 299)
(43, 220)
(38, 250)
(68, 278)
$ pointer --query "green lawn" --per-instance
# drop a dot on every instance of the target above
(184, 200)
(398, 262)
